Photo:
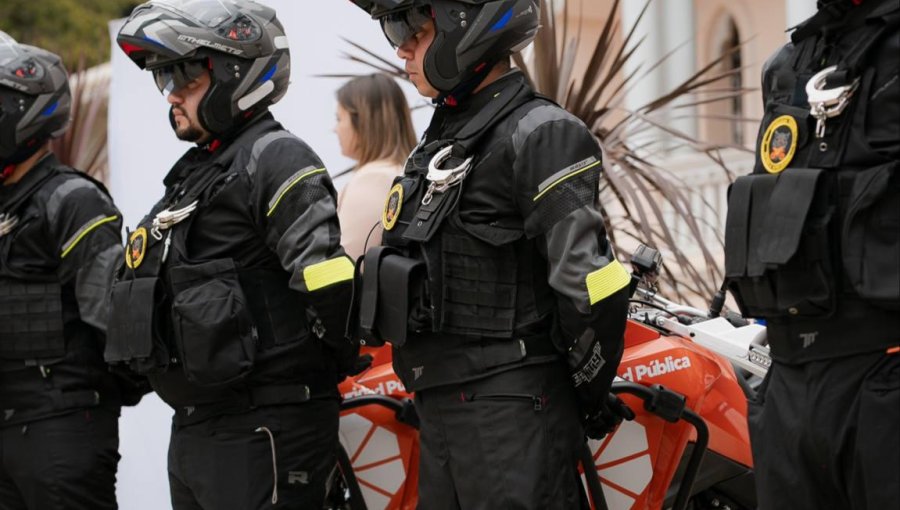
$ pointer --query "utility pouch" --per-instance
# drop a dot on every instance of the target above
(778, 257)
(134, 333)
(213, 327)
(392, 284)
(31, 320)
(870, 236)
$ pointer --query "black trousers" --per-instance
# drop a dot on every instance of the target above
(826, 434)
(508, 441)
(271, 457)
(62, 463)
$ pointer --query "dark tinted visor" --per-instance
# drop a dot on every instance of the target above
(400, 26)
(176, 76)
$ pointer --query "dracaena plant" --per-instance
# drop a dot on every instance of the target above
(642, 200)
(83, 145)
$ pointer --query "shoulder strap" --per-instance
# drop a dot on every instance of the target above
(828, 21)
(467, 138)
(22, 195)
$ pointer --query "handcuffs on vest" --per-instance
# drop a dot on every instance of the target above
(439, 180)
(827, 103)
(167, 219)
(7, 223)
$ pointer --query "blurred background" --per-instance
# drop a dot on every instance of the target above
(670, 87)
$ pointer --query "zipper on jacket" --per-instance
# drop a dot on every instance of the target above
(537, 402)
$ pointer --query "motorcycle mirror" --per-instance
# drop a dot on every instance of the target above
(646, 262)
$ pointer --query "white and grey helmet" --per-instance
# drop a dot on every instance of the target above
(34, 99)
(241, 43)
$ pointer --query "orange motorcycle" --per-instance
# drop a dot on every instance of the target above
(686, 373)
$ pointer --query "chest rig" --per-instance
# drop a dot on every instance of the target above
(31, 304)
(210, 318)
(435, 273)
(810, 234)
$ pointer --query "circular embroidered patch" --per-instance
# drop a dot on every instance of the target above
(137, 246)
(779, 144)
(392, 207)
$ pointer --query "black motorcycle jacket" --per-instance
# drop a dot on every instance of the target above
(512, 266)
(59, 245)
(813, 235)
(235, 291)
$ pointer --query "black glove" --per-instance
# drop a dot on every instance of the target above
(611, 413)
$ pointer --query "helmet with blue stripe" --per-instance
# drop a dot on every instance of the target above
(241, 43)
(470, 35)
(34, 99)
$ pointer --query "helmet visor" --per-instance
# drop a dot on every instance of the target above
(399, 27)
(176, 76)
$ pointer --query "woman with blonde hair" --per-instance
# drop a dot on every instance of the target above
(374, 128)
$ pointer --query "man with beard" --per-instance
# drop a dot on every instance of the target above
(59, 244)
(236, 291)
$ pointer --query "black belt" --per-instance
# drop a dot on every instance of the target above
(251, 398)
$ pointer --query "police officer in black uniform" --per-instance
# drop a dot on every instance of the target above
(813, 247)
(497, 285)
(59, 242)
(235, 292)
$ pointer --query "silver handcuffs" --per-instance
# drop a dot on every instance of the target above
(167, 219)
(827, 103)
(439, 180)
(7, 223)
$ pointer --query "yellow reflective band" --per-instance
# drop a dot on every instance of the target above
(85, 231)
(606, 281)
(561, 179)
(328, 273)
(291, 185)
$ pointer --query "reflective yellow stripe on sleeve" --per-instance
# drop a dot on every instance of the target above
(286, 186)
(327, 273)
(83, 231)
(606, 281)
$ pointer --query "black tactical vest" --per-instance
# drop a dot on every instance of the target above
(813, 235)
(49, 359)
(468, 296)
(213, 336)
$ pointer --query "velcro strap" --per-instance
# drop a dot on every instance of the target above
(737, 226)
(368, 305)
(761, 190)
(786, 214)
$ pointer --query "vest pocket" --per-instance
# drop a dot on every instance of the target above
(870, 236)
(133, 335)
(213, 327)
(778, 255)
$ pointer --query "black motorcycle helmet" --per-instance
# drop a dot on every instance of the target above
(470, 35)
(34, 100)
(241, 43)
